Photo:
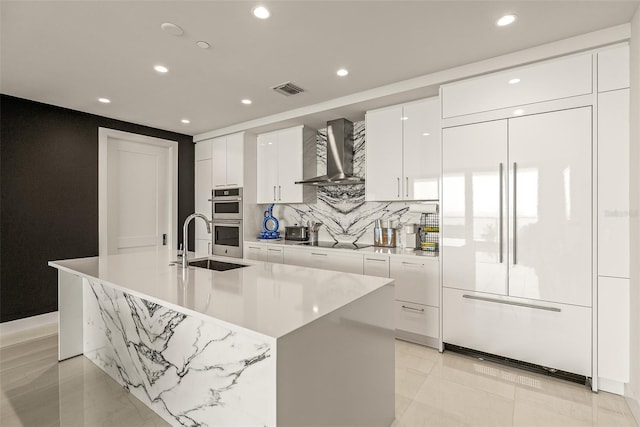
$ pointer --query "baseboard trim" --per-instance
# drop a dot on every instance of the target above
(29, 328)
(633, 402)
(611, 386)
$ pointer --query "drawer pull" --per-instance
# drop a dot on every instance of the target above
(519, 304)
(274, 250)
(413, 309)
(416, 264)
(375, 259)
(314, 253)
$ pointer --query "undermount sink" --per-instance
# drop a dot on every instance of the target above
(215, 265)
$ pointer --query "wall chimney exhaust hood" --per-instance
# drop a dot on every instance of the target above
(339, 156)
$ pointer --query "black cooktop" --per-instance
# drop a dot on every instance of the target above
(336, 245)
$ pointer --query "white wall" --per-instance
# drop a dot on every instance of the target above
(633, 389)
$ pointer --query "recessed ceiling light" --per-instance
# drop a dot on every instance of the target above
(203, 45)
(404, 118)
(514, 81)
(104, 100)
(506, 20)
(261, 12)
(342, 72)
(161, 69)
(518, 112)
(426, 134)
(172, 29)
(246, 101)
(185, 121)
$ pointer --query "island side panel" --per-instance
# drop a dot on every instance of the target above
(189, 371)
(69, 315)
(340, 369)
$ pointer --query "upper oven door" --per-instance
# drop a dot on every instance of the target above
(227, 204)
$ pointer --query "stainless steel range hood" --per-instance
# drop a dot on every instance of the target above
(339, 156)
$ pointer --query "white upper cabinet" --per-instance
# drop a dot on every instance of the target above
(383, 154)
(613, 183)
(421, 149)
(403, 152)
(284, 157)
(203, 150)
(546, 81)
(227, 153)
(613, 68)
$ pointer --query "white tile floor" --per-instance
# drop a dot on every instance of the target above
(432, 389)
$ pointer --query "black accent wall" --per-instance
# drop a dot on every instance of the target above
(49, 196)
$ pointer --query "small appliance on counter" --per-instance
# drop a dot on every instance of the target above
(296, 232)
(384, 235)
(410, 236)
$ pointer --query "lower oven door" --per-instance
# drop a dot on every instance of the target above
(227, 237)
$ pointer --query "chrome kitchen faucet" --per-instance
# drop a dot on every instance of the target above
(185, 235)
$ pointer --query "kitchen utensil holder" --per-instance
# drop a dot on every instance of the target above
(384, 237)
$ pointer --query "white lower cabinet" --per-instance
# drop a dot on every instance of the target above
(613, 334)
(275, 255)
(557, 335)
(417, 298)
(419, 319)
(324, 259)
(264, 252)
(255, 251)
(376, 265)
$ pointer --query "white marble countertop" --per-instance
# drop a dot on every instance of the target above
(269, 299)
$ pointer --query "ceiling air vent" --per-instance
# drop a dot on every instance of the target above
(288, 89)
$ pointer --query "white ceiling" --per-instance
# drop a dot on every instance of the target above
(69, 53)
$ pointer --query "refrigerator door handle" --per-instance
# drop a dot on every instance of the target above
(515, 213)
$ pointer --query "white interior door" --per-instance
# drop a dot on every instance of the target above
(138, 192)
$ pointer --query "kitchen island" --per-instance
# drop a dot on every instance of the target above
(265, 344)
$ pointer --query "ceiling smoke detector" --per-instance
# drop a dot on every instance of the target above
(288, 89)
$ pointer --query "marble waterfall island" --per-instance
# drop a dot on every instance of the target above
(263, 345)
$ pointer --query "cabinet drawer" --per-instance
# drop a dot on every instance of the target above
(416, 318)
(275, 255)
(376, 265)
(556, 79)
(417, 280)
(557, 339)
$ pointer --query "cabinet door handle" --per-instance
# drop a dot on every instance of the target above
(209, 248)
(407, 186)
(413, 309)
(315, 253)
(500, 176)
(398, 187)
(274, 193)
(279, 192)
(519, 304)
(515, 213)
(375, 259)
(253, 247)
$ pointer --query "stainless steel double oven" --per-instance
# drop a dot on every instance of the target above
(227, 222)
